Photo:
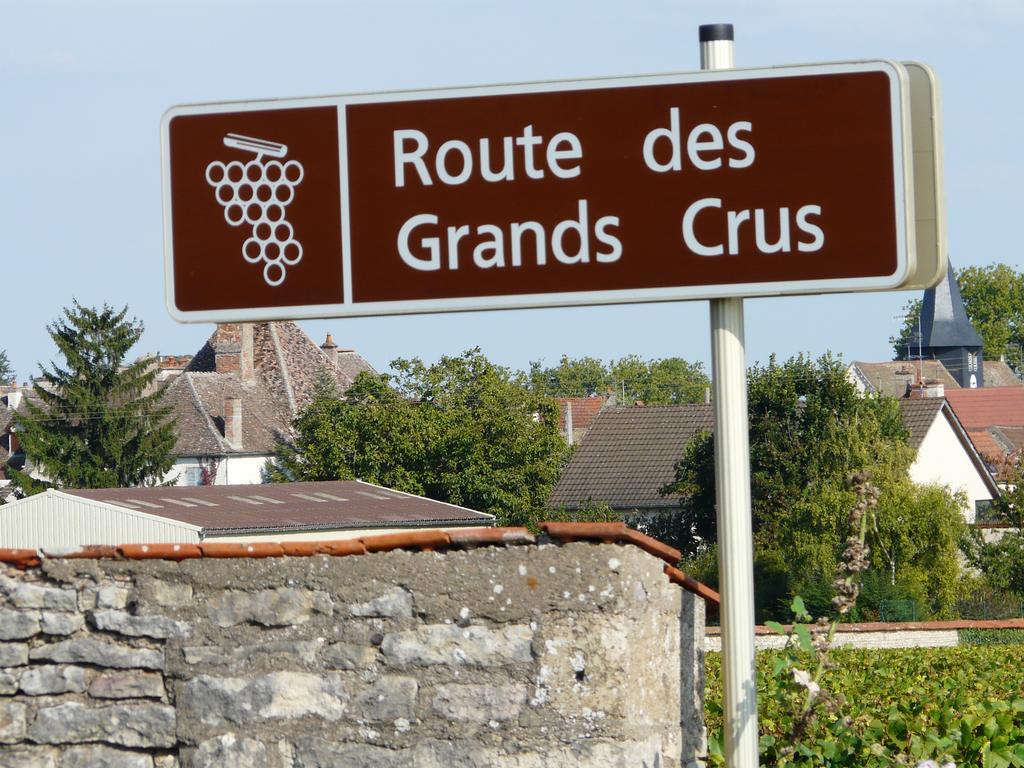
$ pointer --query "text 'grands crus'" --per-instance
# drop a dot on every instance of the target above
(427, 244)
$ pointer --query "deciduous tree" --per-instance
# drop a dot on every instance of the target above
(462, 430)
(655, 382)
(809, 431)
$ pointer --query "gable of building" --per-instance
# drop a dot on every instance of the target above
(240, 392)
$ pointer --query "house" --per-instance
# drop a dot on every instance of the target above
(237, 396)
(994, 418)
(226, 513)
(946, 455)
(899, 378)
(629, 454)
(575, 414)
(11, 399)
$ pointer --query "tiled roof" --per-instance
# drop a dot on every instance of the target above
(892, 378)
(338, 504)
(584, 409)
(1011, 438)
(286, 366)
(999, 374)
(987, 445)
(605, 533)
(628, 455)
(979, 409)
(918, 417)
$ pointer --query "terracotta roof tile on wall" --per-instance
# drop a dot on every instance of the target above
(628, 455)
(427, 540)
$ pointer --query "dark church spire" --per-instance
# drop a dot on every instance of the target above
(947, 333)
(944, 321)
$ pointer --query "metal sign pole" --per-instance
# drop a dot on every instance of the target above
(732, 490)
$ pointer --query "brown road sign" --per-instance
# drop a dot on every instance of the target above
(777, 181)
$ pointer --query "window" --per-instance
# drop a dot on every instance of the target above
(983, 512)
(194, 476)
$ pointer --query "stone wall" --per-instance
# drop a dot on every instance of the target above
(533, 656)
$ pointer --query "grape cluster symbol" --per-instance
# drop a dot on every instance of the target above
(256, 193)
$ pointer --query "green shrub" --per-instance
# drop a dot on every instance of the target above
(991, 637)
(963, 704)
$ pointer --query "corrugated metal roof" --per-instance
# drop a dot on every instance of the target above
(54, 518)
(338, 504)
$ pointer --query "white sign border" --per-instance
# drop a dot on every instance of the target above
(902, 189)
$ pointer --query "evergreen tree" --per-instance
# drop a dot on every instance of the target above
(6, 372)
(94, 422)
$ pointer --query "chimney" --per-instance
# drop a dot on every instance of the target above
(233, 422)
(331, 350)
(227, 348)
(247, 362)
(568, 422)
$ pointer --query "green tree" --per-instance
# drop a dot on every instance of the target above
(462, 430)
(994, 299)
(809, 431)
(6, 372)
(902, 346)
(655, 382)
(667, 381)
(579, 377)
(94, 422)
(1001, 558)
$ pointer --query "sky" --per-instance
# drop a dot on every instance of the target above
(83, 86)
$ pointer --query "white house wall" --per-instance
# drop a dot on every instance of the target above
(233, 470)
(942, 460)
(52, 519)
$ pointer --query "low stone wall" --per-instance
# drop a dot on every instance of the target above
(533, 656)
(918, 634)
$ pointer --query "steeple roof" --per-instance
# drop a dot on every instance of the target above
(944, 320)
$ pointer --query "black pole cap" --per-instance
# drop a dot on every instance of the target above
(712, 32)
